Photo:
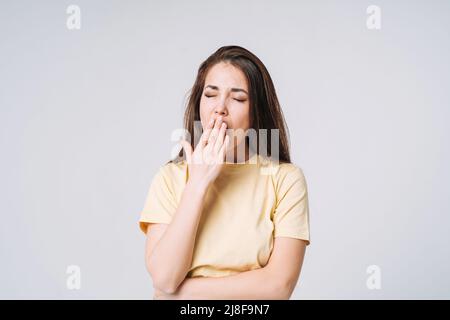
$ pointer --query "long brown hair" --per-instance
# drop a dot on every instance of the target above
(265, 110)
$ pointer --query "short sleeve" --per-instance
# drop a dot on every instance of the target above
(160, 204)
(291, 215)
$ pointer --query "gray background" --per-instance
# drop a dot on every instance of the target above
(86, 117)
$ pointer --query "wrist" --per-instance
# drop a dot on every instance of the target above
(198, 186)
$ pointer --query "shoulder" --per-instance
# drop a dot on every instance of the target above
(173, 174)
(173, 169)
(281, 170)
(289, 169)
(285, 175)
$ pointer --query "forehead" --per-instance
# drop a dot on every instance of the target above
(226, 75)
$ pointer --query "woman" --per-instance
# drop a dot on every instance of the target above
(219, 225)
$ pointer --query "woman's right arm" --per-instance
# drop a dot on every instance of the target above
(170, 247)
(169, 259)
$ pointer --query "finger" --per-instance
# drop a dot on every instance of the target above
(224, 149)
(220, 138)
(205, 136)
(187, 150)
(215, 131)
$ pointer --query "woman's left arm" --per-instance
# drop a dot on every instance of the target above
(275, 281)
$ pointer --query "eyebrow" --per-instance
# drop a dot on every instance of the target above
(232, 89)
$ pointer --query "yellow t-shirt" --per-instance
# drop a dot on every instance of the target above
(245, 208)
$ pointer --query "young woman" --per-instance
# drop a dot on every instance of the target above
(224, 224)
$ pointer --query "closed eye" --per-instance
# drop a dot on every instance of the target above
(239, 100)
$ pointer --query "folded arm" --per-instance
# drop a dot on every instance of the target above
(276, 280)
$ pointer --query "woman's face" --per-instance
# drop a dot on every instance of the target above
(226, 94)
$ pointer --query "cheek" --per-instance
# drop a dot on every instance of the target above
(205, 111)
(242, 118)
(206, 106)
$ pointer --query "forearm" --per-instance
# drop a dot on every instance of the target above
(259, 284)
(172, 255)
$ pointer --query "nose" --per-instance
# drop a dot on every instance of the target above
(220, 109)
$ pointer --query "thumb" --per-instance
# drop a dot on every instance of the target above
(187, 150)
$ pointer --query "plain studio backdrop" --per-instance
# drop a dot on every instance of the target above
(86, 117)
